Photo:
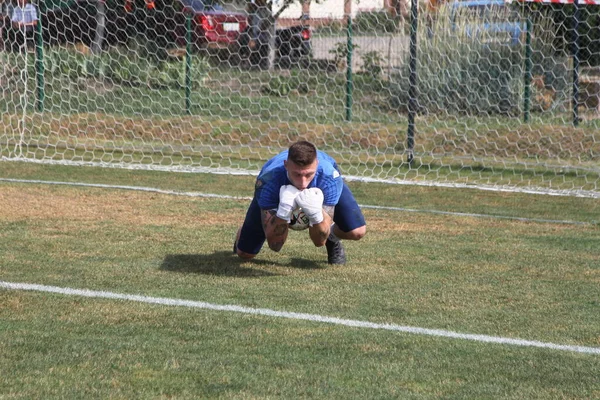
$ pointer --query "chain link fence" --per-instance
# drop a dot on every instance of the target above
(467, 93)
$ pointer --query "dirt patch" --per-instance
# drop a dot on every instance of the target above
(86, 206)
(17, 204)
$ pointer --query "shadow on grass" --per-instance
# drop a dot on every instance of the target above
(224, 263)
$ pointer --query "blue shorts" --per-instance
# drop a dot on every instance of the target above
(347, 216)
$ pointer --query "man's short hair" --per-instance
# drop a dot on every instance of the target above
(302, 153)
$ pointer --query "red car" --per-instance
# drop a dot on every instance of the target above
(213, 27)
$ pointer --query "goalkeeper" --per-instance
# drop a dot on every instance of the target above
(305, 177)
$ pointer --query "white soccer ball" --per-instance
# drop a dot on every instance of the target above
(299, 220)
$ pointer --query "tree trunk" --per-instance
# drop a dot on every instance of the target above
(100, 27)
(271, 57)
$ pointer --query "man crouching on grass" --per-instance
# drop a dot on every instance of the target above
(305, 177)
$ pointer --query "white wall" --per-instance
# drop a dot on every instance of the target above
(367, 5)
(328, 8)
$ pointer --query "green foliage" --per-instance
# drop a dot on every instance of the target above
(375, 22)
(340, 52)
(281, 86)
(464, 74)
(373, 63)
(549, 63)
(13, 65)
(123, 66)
(334, 28)
(71, 64)
(464, 78)
(278, 86)
(560, 17)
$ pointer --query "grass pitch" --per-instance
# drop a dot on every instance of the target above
(496, 275)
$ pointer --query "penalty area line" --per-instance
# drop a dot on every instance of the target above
(296, 316)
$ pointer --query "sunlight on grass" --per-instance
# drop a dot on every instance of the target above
(518, 279)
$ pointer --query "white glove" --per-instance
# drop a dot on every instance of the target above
(287, 195)
(311, 202)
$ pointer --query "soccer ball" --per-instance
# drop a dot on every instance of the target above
(299, 220)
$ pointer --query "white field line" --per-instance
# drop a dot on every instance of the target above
(297, 316)
(230, 171)
(227, 197)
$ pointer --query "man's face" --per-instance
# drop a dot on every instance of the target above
(301, 176)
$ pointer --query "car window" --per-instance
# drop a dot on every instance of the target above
(494, 13)
(485, 12)
(215, 7)
(195, 5)
(200, 5)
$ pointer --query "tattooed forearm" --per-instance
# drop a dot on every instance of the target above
(279, 229)
(323, 235)
(329, 210)
(268, 216)
(320, 232)
(276, 229)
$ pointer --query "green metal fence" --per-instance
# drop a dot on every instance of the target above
(493, 99)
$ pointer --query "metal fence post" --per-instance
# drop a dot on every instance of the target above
(349, 83)
(528, 68)
(575, 100)
(39, 65)
(412, 90)
(188, 63)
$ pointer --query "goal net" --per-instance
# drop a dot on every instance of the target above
(471, 94)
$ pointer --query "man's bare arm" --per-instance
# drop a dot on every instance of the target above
(320, 232)
(276, 229)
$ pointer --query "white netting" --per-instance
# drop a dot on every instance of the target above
(127, 84)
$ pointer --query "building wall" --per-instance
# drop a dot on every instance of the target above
(328, 9)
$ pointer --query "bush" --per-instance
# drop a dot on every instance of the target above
(464, 78)
(278, 86)
(281, 86)
(559, 17)
(373, 63)
(461, 74)
(375, 22)
(340, 53)
(333, 28)
(123, 66)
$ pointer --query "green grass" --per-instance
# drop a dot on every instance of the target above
(235, 123)
(516, 279)
(410, 197)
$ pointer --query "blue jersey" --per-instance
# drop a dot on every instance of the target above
(273, 176)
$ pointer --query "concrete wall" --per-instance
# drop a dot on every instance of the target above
(329, 9)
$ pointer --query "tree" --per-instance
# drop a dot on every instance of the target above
(262, 29)
(562, 20)
(96, 46)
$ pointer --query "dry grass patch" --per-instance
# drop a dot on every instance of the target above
(29, 203)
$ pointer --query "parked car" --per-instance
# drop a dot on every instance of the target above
(216, 29)
(213, 26)
(491, 20)
(293, 47)
(227, 32)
